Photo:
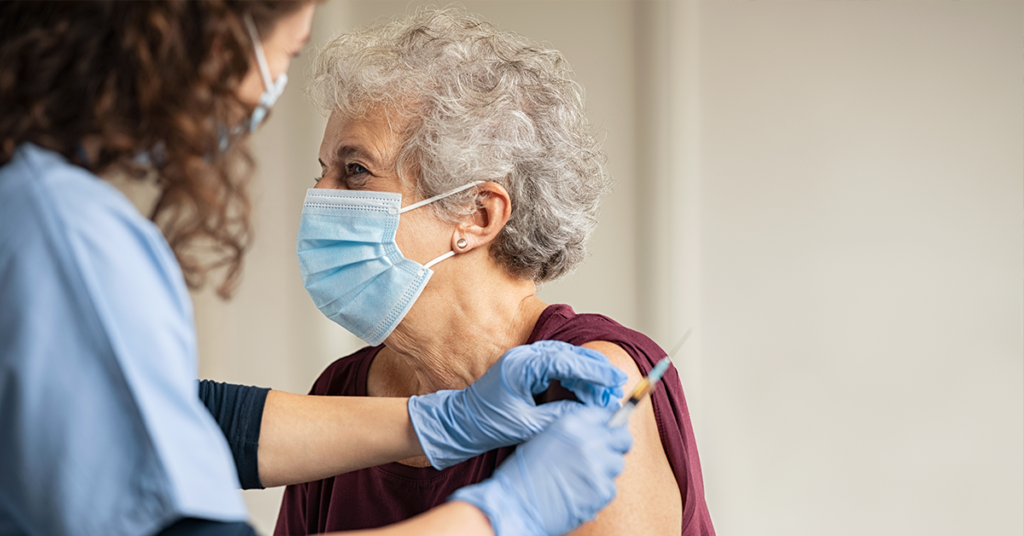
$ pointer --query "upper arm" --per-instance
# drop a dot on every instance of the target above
(648, 499)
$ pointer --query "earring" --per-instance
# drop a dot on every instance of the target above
(462, 243)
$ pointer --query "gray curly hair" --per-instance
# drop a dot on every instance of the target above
(480, 104)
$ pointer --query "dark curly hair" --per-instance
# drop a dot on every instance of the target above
(131, 78)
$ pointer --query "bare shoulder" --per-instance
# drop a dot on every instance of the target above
(648, 499)
(620, 359)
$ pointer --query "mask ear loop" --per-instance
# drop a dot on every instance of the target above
(430, 200)
(272, 89)
(261, 57)
(435, 261)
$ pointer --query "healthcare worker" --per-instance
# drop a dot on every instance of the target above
(101, 431)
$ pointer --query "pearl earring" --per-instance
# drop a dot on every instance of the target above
(462, 243)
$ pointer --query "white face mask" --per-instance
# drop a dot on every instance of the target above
(272, 89)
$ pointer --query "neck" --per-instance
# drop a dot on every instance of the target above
(458, 328)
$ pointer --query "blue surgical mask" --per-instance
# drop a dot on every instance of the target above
(351, 265)
(272, 90)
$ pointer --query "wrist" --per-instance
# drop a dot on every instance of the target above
(502, 507)
(437, 420)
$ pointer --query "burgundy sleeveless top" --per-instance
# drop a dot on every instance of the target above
(393, 492)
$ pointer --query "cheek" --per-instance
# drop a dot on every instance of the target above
(278, 65)
(421, 236)
(251, 88)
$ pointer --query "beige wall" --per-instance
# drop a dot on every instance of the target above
(830, 194)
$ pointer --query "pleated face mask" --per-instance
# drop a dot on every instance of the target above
(351, 265)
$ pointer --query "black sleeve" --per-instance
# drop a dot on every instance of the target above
(205, 527)
(238, 409)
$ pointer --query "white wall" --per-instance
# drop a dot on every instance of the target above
(861, 173)
(830, 193)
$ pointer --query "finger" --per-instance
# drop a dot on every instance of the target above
(621, 440)
(550, 345)
(544, 414)
(589, 420)
(607, 492)
(585, 364)
(595, 395)
(577, 365)
(617, 466)
(528, 369)
(609, 466)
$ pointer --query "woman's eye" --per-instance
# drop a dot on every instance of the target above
(317, 179)
(356, 169)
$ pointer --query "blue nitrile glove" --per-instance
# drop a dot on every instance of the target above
(555, 481)
(498, 409)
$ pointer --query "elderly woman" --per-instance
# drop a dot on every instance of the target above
(459, 171)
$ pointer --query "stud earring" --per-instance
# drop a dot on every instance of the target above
(462, 243)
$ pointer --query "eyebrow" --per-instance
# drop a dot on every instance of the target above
(347, 151)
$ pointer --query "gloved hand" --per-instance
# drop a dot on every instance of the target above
(498, 409)
(557, 480)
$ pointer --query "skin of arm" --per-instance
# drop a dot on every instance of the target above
(450, 519)
(648, 499)
(306, 438)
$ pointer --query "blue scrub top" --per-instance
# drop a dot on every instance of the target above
(101, 429)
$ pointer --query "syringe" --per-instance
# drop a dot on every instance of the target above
(645, 386)
(642, 389)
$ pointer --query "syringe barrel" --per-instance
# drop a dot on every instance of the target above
(621, 417)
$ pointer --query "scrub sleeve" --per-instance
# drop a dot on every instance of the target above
(238, 410)
(101, 428)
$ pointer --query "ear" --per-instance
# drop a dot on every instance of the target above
(481, 227)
